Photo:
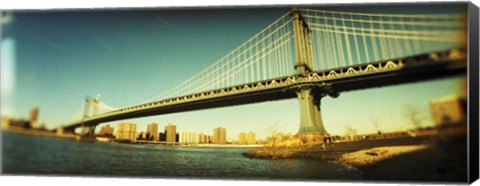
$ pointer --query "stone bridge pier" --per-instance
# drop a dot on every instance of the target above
(88, 131)
(309, 97)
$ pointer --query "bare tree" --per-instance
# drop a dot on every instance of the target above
(412, 113)
(273, 131)
(376, 123)
(350, 132)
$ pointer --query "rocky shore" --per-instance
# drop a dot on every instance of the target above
(430, 159)
(331, 151)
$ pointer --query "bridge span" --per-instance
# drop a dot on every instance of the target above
(330, 52)
(328, 82)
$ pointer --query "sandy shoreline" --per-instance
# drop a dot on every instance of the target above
(375, 155)
(422, 159)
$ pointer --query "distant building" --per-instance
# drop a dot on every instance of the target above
(126, 132)
(142, 136)
(189, 137)
(139, 136)
(209, 138)
(106, 131)
(242, 138)
(247, 138)
(203, 138)
(447, 110)
(20, 123)
(251, 138)
(220, 135)
(152, 132)
(5, 122)
(33, 117)
(171, 133)
(162, 136)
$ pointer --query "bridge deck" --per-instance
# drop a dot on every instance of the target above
(397, 71)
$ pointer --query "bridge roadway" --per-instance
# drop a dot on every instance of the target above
(328, 82)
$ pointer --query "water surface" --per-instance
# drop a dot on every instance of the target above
(22, 154)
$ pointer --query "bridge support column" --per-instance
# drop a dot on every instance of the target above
(61, 131)
(89, 131)
(92, 132)
(86, 110)
(310, 115)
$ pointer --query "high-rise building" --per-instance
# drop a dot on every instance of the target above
(162, 136)
(241, 138)
(216, 135)
(219, 135)
(142, 136)
(33, 117)
(251, 138)
(208, 138)
(447, 110)
(126, 131)
(152, 132)
(223, 135)
(189, 137)
(203, 138)
(106, 131)
(171, 133)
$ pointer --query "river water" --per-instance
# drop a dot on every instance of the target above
(30, 155)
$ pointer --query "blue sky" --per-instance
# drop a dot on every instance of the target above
(128, 57)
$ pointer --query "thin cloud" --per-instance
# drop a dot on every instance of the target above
(163, 21)
(54, 45)
(105, 44)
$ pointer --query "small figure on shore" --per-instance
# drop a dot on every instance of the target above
(327, 141)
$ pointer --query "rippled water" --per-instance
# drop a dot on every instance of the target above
(23, 154)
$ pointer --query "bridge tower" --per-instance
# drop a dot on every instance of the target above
(86, 110)
(95, 102)
(91, 109)
(309, 96)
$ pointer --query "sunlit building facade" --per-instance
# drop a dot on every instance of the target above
(126, 131)
(219, 135)
(106, 131)
(171, 133)
(187, 137)
(251, 138)
(242, 138)
(203, 138)
(152, 132)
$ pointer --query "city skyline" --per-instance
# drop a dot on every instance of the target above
(59, 83)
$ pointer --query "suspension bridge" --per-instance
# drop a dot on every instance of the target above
(308, 54)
